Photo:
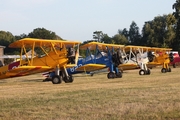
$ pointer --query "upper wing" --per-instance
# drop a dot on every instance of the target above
(28, 42)
(101, 46)
(91, 67)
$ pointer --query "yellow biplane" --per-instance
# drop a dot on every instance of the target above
(161, 56)
(57, 55)
(148, 57)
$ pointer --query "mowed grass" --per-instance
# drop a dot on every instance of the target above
(148, 97)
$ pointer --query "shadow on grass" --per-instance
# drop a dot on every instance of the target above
(32, 80)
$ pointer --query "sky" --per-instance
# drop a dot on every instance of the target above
(76, 20)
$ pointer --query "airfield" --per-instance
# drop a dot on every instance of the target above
(145, 97)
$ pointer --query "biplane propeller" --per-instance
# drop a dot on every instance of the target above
(55, 56)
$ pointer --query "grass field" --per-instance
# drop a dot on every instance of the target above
(149, 97)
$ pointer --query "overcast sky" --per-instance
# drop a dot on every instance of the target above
(78, 19)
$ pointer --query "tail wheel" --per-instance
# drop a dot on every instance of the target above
(163, 70)
(56, 79)
(110, 75)
(142, 72)
(119, 75)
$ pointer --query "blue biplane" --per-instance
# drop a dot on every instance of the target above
(98, 56)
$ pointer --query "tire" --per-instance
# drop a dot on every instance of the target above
(163, 70)
(169, 70)
(148, 72)
(56, 79)
(110, 75)
(92, 74)
(119, 75)
(142, 72)
(69, 80)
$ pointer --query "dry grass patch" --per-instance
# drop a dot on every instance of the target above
(155, 96)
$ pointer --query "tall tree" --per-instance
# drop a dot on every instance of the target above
(106, 39)
(176, 43)
(5, 39)
(159, 32)
(124, 32)
(98, 35)
(134, 35)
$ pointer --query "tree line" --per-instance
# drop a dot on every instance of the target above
(162, 31)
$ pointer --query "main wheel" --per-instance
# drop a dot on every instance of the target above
(110, 75)
(142, 72)
(69, 80)
(119, 75)
(168, 70)
(163, 70)
(56, 79)
(91, 74)
(148, 72)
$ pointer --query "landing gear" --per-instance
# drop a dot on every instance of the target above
(119, 75)
(110, 75)
(144, 72)
(59, 75)
(68, 79)
(56, 79)
(91, 74)
(148, 72)
(163, 70)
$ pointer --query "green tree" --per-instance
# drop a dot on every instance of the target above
(176, 43)
(124, 32)
(106, 39)
(42, 33)
(5, 39)
(98, 35)
(159, 32)
(120, 39)
(134, 35)
(18, 37)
